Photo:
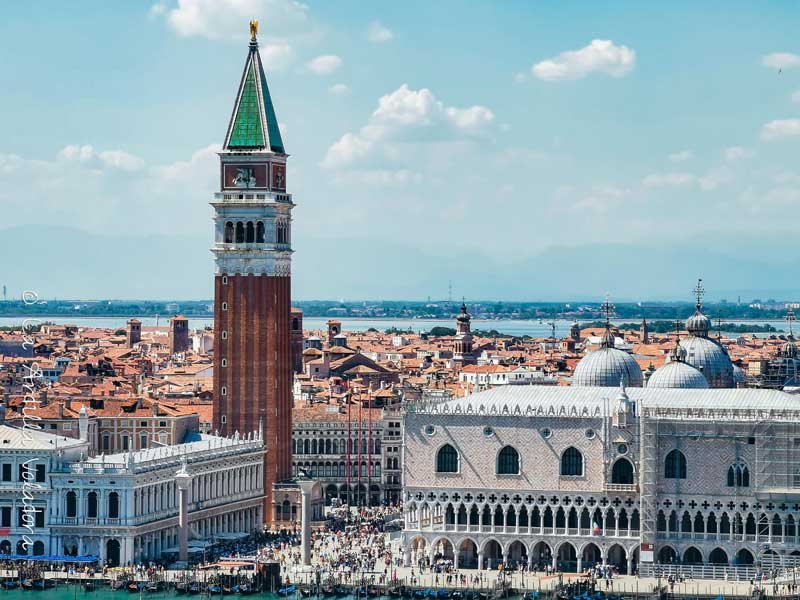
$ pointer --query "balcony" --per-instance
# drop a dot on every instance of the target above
(624, 488)
(250, 197)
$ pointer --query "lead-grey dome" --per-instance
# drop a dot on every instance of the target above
(698, 324)
(606, 367)
(678, 374)
(710, 359)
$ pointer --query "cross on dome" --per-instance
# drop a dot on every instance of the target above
(699, 291)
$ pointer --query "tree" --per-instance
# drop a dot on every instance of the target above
(440, 331)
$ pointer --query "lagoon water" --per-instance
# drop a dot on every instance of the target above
(533, 328)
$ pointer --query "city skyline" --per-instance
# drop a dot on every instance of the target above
(608, 146)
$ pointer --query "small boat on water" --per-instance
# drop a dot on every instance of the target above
(431, 593)
(27, 584)
(442, 594)
(11, 584)
(328, 591)
(90, 586)
(531, 596)
(153, 587)
(39, 584)
(193, 588)
(306, 591)
(341, 590)
(373, 591)
(419, 593)
(286, 590)
(180, 587)
(245, 589)
(456, 595)
(395, 592)
(214, 589)
(226, 590)
(118, 584)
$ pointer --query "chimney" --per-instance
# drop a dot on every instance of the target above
(154, 406)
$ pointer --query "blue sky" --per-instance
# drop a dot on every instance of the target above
(445, 138)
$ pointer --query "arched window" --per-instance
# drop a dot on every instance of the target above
(250, 236)
(622, 472)
(239, 232)
(572, 462)
(229, 233)
(738, 475)
(91, 507)
(508, 461)
(260, 232)
(447, 459)
(113, 505)
(72, 504)
(675, 465)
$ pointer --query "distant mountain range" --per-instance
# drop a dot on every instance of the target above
(61, 262)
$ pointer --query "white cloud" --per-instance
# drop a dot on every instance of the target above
(781, 60)
(410, 116)
(600, 56)
(216, 19)
(88, 157)
(324, 65)
(668, 180)
(338, 89)
(681, 156)
(796, 96)
(379, 33)
(105, 190)
(780, 128)
(276, 57)
(735, 153)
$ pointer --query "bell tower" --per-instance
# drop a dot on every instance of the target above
(252, 280)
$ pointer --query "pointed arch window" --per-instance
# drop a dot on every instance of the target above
(572, 462)
(447, 459)
(675, 465)
(508, 461)
(738, 475)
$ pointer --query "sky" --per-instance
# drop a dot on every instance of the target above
(478, 143)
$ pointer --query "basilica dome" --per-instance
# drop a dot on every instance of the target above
(678, 374)
(710, 359)
(607, 367)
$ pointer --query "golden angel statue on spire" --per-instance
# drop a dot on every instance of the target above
(253, 29)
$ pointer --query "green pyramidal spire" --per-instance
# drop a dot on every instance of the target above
(253, 125)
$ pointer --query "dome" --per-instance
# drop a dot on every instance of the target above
(606, 367)
(678, 374)
(710, 359)
(463, 315)
(698, 324)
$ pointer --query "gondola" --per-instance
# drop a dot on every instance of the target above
(153, 587)
(531, 596)
(306, 591)
(328, 591)
(193, 588)
(456, 595)
(180, 587)
(90, 586)
(341, 590)
(484, 595)
(27, 584)
(431, 593)
(214, 589)
(442, 594)
(11, 584)
(118, 584)
(373, 591)
(244, 589)
(395, 592)
(419, 594)
(39, 584)
(286, 590)
(134, 587)
(226, 591)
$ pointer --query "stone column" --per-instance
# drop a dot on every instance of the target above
(306, 488)
(480, 559)
(184, 481)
